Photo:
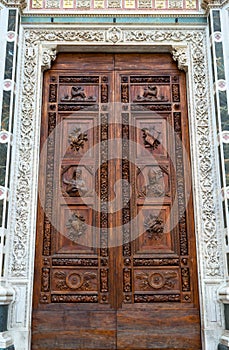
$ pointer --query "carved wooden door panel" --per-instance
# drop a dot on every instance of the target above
(115, 256)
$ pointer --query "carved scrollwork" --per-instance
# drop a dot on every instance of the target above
(144, 298)
(74, 280)
(157, 280)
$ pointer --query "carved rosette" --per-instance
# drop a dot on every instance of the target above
(24, 180)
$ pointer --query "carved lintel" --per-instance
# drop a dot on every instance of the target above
(48, 55)
(181, 56)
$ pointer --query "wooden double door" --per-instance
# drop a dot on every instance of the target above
(115, 260)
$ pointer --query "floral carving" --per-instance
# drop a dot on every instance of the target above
(157, 280)
(154, 227)
(77, 139)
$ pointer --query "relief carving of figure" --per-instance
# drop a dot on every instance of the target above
(150, 94)
(76, 187)
(156, 186)
(78, 95)
(76, 226)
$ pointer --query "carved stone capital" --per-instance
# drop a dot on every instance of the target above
(180, 55)
(48, 55)
(21, 4)
(208, 4)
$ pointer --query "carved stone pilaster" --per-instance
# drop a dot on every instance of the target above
(180, 55)
(48, 55)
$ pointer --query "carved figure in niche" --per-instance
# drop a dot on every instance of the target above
(78, 95)
(76, 187)
(150, 94)
(76, 226)
(156, 186)
(154, 227)
(151, 138)
(77, 139)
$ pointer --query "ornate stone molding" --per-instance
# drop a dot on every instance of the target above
(21, 4)
(195, 39)
(180, 55)
(189, 48)
(48, 55)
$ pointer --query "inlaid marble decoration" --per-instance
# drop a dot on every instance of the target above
(110, 5)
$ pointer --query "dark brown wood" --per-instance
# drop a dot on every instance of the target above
(115, 266)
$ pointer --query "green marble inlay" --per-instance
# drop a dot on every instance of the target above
(219, 60)
(3, 157)
(223, 110)
(5, 110)
(109, 19)
(226, 161)
(9, 60)
(12, 20)
(216, 21)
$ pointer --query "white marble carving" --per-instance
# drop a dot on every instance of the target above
(189, 48)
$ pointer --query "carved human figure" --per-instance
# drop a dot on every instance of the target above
(76, 187)
(156, 187)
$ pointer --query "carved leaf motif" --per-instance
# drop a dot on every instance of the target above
(154, 227)
(77, 139)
